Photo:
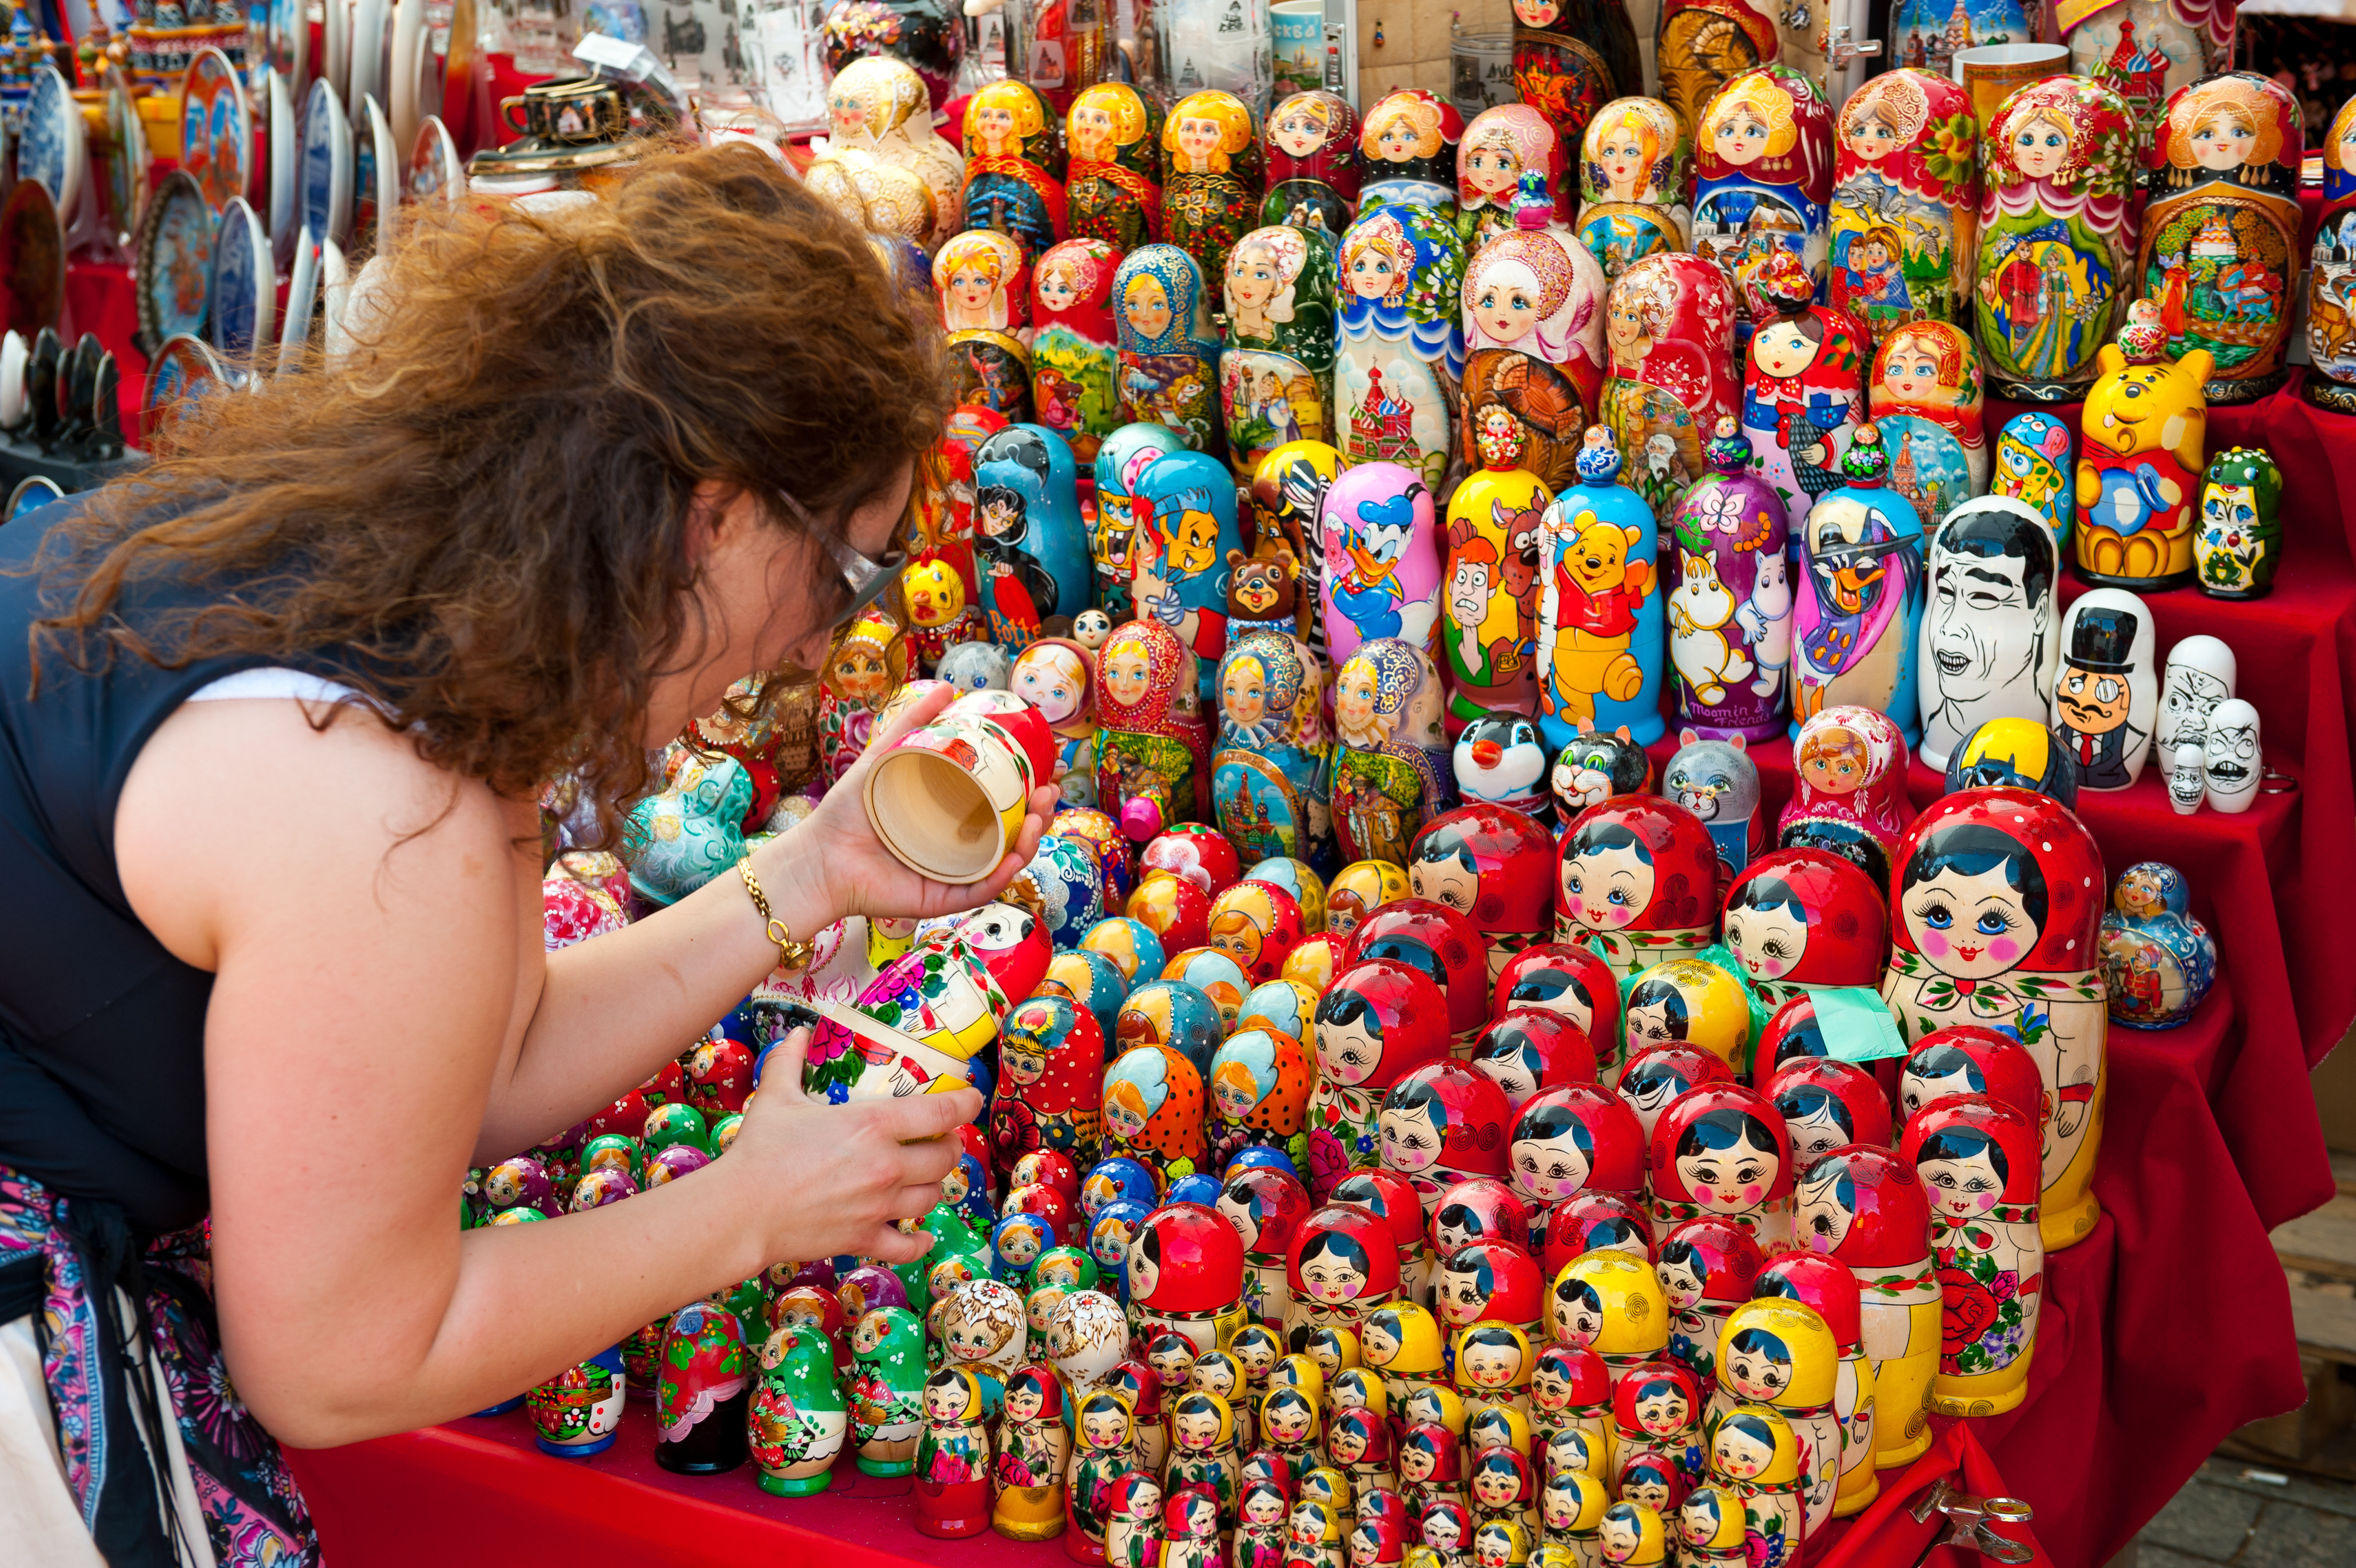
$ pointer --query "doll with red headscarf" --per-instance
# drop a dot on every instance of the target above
(1378, 1022)
(1074, 349)
(1493, 866)
(1804, 917)
(1637, 883)
(1866, 1208)
(1977, 1159)
(1849, 789)
(1723, 1150)
(1153, 751)
(1802, 385)
(1050, 1089)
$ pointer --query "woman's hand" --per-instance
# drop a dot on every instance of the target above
(838, 854)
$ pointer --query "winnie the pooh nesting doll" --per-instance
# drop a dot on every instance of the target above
(2140, 460)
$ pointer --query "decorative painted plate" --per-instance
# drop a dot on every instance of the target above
(32, 257)
(240, 307)
(216, 129)
(175, 252)
(376, 181)
(127, 169)
(285, 156)
(302, 299)
(435, 174)
(336, 39)
(52, 149)
(290, 43)
(327, 172)
(401, 86)
(368, 17)
(183, 368)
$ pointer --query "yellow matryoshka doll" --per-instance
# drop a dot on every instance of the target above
(1750, 1452)
(984, 282)
(1015, 166)
(1275, 378)
(1780, 1353)
(1906, 200)
(1114, 188)
(867, 662)
(1211, 151)
(1533, 359)
(1635, 183)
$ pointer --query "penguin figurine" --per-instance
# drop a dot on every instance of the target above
(1499, 760)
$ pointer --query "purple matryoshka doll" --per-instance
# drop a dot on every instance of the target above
(1859, 560)
(1390, 767)
(2330, 382)
(984, 285)
(1501, 146)
(1569, 56)
(1635, 191)
(1169, 352)
(1312, 147)
(1269, 775)
(1729, 605)
(1407, 151)
(1763, 178)
(1402, 350)
(1152, 755)
(1906, 199)
(1187, 536)
(1275, 378)
(1849, 789)
(1210, 149)
(1925, 398)
(1123, 458)
(1668, 329)
(1015, 164)
(1115, 184)
(2220, 250)
(1600, 644)
(1803, 383)
(1533, 352)
(1073, 350)
(1381, 575)
(2052, 269)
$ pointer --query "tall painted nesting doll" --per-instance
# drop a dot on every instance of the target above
(2105, 685)
(1701, 45)
(1992, 632)
(798, 1421)
(1570, 57)
(1269, 775)
(1381, 554)
(879, 106)
(2035, 463)
(1187, 534)
(1976, 1159)
(1288, 491)
(2331, 276)
(1781, 1353)
(1390, 762)
(1764, 168)
(1075, 352)
(1312, 147)
(1729, 604)
(1803, 384)
(1169, 352)
(2145, 50)
(1491, 625)
(1114, 188)
(1402, 351)
(1997, 897)
(1637, 884)
(1275, 378)
(1152, 748)
(984, 285)
(1669, 328)
(2142, 448)
(1502, 147)
(2219, 250)
(1033, 1455)
(1906, 202)
(1407, 153)
(1030, 543)
(1635, 189)
(1120, 461)
(1860, 559)
(1015, 166)
(1210, 150)
(2053, 272)
(1600, 638)
(1924, 393)
(1533, 359)
(1868, 1208)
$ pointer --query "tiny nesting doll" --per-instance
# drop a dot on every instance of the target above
(1380, 549)
(2238, 545)
(1668, 326)
(1780, 1353)
(1151, 751)
(1763, 170)
(1441, 1124)
(1801, 918)
(1602, 633)
(2158, 957)
(1730, 611)
(1709, 1528)
(2142, 446)
(1153, 1111)
(1655, 1076)
(1637, 883)
(2106, 698)
(1115, 179)
(1706, 1268)
(1868, 1208)
(1210, 151)
(1978, 1160)
(1169, 352)
(2053, 256)
(1689, 1001)
(1342, 1265)
(1858, 619)
(1722, 1150)
(578, 1412)
(2330, 379)
(1311, 144)
(1991, 635)
(1190, 1529)
(1268, 776)
(1997, 897)
(1753, 1454)
(1275, 378)
(1633, 186)
(1533, 359)
(953, 1457)
(1030, 543)
(1402, 347)
(1032, 1457)
(1803, 384)
(1123, 458)
(868, 661)
(1104, 1449)
(1658, 1406)
(1569, 56)
(2035, 463)
(1379, 1021)
(1187, 536)
(1926, 398)
(1906, 197)
(1015, 166)
(984, 287)
(1967, 1059)
(1390, 767)
(1074, 351)
(1260, 1524)
(1501, 146)
(1849, 790)
(1050, 1081)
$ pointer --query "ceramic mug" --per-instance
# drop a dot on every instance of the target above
(1297, 35)
(1990, 72)
(948, 800)
(572, 113)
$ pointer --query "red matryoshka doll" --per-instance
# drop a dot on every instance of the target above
(1569, 56)
(1570, 1390)
(1441, 1124)
(1190, 1527)
(1196, 852)
(1635, 191)
(1390, 767)
(1906, 199)
(1276, 379)
(1827, 1103)
(984, 282)
(1781, 1354)
(1015, 166)
(1152, 753)
(1689, 1001)
(1848, 790)
(1610, 1303)
(1531, 1049)
(704, 1384)
(1706, 1268)
(1658, 1407)
(1669, 373)
(1868, 1210)
(1402, 353)
(1653, 1078)
(1924, 395)
(1803, 386)
(1114, 134)
(1154, 1112)
(1492, 865)
(1501, 145)
(1763, 173)
(1210, 152)
(1186, 1275)
(1266, 1209)
(1074, 347)
(1262, 1516)
(1050, 1085)
(1637, 883)
(1488, 1282)
(1132, 1529)
(1260, 1082)
(1358, 1441)
(1391, 1197)
(1256, 924)
(1342, 1265)
(1441, 942)
(1407, 151)
(1482, 1208)
(1169, 348)
(1565, 978)
(1378, 1021)
(1966, 1058)
(1575, 1139)
(1978, 1162)
(1722, 1150)
(868, 660)
(1998, 896)
(1830, 1290)
(1312, 149)
(1533, 369)
(1590, 1222)
(1504, 1488)
(1804, 917)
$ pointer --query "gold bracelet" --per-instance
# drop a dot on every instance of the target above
(791, 954)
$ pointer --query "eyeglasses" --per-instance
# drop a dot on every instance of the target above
(864, 577)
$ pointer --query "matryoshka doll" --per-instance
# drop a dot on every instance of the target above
(1637, 883)
(1706, 1268)
(1997, 897)
(1534, 361)
(1114, 134)
(1501, 145)
(1828, 1103)
(1991, 635)
(1311, 144)
(1668, 326)
(1831, 1289)
(1502, 1486)
(1210, 153)
(1032, 1454)
(1868, 1210)
(1153, 1111)
(1187, 535)
(1654, 1077)
(1494, 867)
(1402, 277)
(1781, 1353)
(1260, 1082)
(879, 106)
(1602, 638)
(2104, 683)
(1800, 918)
(1722, 1150)
(1906, 202)
(1261, 1514)
(1268, 776)
(1266, 1207)
(1357, 890)
(1753, 1454)
(1288, 491)
(2052, 269)
(1573, 1139)
(1701, 45)
(1390, 767)
(1730, 608)
(1967, 1059)
(2142, 446)
(1857, 622)
(1709, 1528)
(1379, 1021)
(2330, 380)
(1050, 1081)
(1258, 925)
(1190, 1527)
(1803, 383)
(1441, 1124)
(1030, 543)
(953, 1457)
(579, 1413)
(1015, 166)
(868, 661)
(1635, 191)
(887, 1394)
(1569, 56)
(1123, 458)
(1764, 179)
(1610, 1302)
(1186, 1275)
(1849, 790)
(1379, 547)
(1074, 349)
(1275, 378)
(2035, 463)
(984, 284)
(2238, 546)
(1565, 978)
(1407, 153)
(798, 1421)
(1104, 1449)
(1169, 351)
(1926, 398)
(2145, 51)
(1658, 1406)
(1153, 756)
(1342, 1265)
(2158, 959)
(1976, 1159)
(703, 1388)
(1689, 1001)
(1445, 945)
(1057, 677)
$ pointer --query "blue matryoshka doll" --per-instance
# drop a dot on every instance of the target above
(1169, 351)
(1268, 776)
(1390, 762)
(1765, 179)
(2159, 961)
(1031, 549)
(1402, 270)
(1126, 454)
(1602, 638)
(2035, 455)
(1858, 565)
(1186, 527)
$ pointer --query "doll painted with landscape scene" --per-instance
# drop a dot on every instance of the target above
(1905, 201)
(1634, 184)
(1275, 378)
(1015, 166)
(1765, 178)
(1402, 351)
(1169, 352)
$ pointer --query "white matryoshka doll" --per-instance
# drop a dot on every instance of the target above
(1924, 393)
(1502, 148)
(1390, 762)
(1668, 329)
(1860, 561)
(1634, 187)
(1402, 350)
(1275, 378)
(1906, 199)
(878, 105)
(1057, 677)
(1169, 368)
(1407, 153)
(1802, 385)
(2052, 274)
(1123, 458)
(1991, 631)
(1188, 537)
(1533, 352)
(1210, 149)
(1763, 167)
(886, 199)
(1015, 164)
(2143, 50)
(1701, 45)
(1997, 902)
(984, 284)
(2220, 251)
(1031, 549)
(1602, 642)
(1268, 776)
(2330, 380)
(1381, 556)
(1074, 353)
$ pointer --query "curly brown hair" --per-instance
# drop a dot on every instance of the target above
(486, 503)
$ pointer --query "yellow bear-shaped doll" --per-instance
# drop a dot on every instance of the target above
(1597, 593)
(2140, 460)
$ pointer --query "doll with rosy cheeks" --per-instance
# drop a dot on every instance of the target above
(1972, 1154)
(1607, 879)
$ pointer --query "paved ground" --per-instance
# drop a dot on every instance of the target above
(2224, 1514)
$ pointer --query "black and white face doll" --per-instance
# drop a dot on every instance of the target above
(1989, 637)
(2106, 696)
(2229, 761)
(2201, 672)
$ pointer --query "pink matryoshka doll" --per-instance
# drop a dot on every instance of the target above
(1668, 329)
(1443, 1124)
(1803, 383)
(1050, 1085)
(1501, 145)
(1701, 45)
(1764, 179)
(1186, 1275)
(1706, 1268)
(1441, 942)
(1849, 791)
(1210, 151)
(1261, 1083)
(983, 278)
(1378, 1022)
(1154, 1112)
(1152, 753)
(1997, 899)
(1381, 544)
(1827, 1103)
(1391, 768)
(1342, 1266)
(1562, 977)
(1637, 883)
(1729, 603)
(1978, 1162)
(1575, 1139)
(1530, 1050)
(1635, 190)
(1532, 363)
(1868, 1210)
(1312, 147)
(1722, 1150)
(1926, 398)
(1114, 134)
(1494, 867)
(1798, 919)
(1407, 153)
(1906, 200)
(1570, 56)
(1073, 350)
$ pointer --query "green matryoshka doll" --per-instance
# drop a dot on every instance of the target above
(887, 1406)
(1169, 351)
(1390, 769)
(798, 1421)
(1275, 378)
(2237, 539)
(1211, 150)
